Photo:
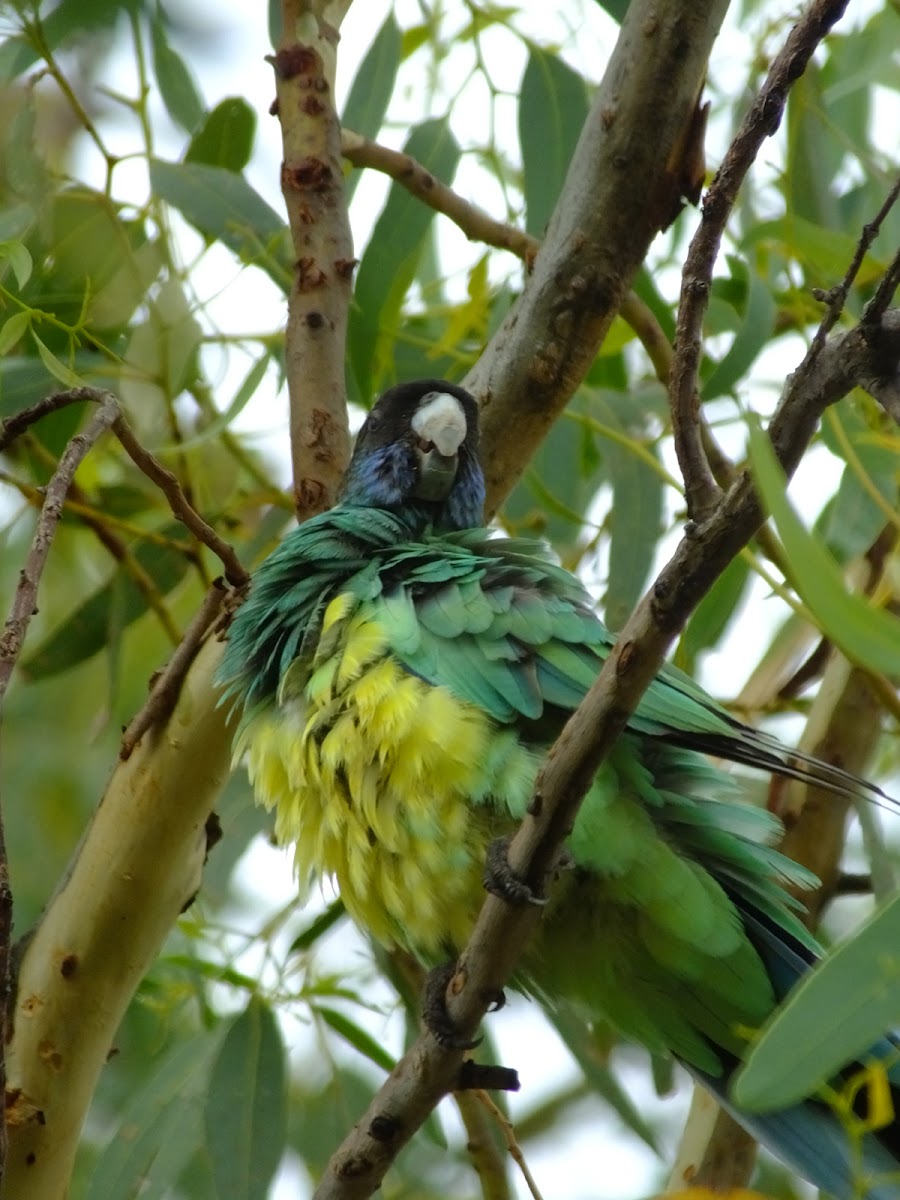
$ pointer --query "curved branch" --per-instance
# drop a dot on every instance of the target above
(761, 121)
(619, 191)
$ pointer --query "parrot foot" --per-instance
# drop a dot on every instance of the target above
(437, 1020)
(500, 879)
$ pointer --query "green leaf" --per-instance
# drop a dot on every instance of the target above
(583, 1043)
(160, 1127)
(833, 1016)
(372, 88)
(635, 519)
(357, 1038)
(814, 154)
(24, 379)
(16, 253)
(713, 613)
(553, 107)
(176, 85)
(13, 330)
(66, 376)
(225, 139)
(69, 18)
(318, 927)
(753, 334)
(823, 253)
(246, 1111)
(388, 264)
(112, 608)
(867, 635)
(114, 304)
(854, 518)
(616, 8)
(224, 206)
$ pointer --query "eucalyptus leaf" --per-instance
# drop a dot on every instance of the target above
(245, 1115)
(833, 1016)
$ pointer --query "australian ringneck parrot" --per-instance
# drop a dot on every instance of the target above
(402, 671)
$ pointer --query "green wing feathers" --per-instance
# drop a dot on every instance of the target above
(399, 694)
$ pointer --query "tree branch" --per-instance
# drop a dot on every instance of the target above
(480, 226)
(138, 866)
(761, 121)
(24, 605)
(618, 192)
(312, 184)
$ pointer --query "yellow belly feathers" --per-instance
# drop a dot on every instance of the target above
(389, 784)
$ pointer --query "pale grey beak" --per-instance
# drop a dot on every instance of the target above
(440, 428)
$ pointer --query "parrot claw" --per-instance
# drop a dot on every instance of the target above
(500, 879)
(434, 1010)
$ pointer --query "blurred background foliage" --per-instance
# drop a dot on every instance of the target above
(143, 248)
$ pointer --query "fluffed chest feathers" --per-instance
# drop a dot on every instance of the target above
(392, 786)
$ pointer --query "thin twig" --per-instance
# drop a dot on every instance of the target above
(761, 121)
(180, 505)
(166, 686)
(512, 1142)
(475, 223)
(487, 1158)
(24, 601)
(16, 425)
(143, 460)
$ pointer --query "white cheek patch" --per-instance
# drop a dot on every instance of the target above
(441, 420)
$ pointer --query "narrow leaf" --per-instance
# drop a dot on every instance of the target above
(372, 87)
(113, 607)
(176, 85)
(57, 369)
(13, 330)
(245, 1113)
(357, 1038)
(867, 635)
(160, 1127)
(388, 264)
(553, 107)
(831, 1018)
(318, 927)
(223, 206)
(754, 333)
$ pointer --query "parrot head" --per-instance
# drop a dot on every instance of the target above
(417, 454)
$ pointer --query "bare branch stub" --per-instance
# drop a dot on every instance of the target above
(313, 188)
(761, 121)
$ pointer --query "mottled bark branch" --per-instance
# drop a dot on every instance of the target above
(313, 188)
